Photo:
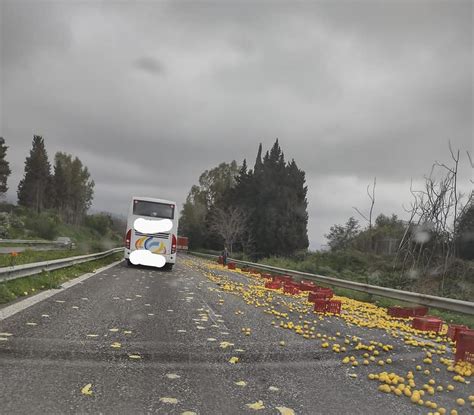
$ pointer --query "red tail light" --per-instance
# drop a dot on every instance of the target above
(128, 238)
(173, 244)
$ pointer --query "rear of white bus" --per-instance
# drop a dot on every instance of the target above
(162, 243)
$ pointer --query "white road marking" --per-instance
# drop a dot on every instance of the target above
(43, 295)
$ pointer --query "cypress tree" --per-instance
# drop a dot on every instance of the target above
(4, 167)
(34, 190)
(258, 161)
(274, 197)
(73, 188)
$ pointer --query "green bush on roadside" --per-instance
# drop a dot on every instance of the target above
(44, 225)
(5, 294)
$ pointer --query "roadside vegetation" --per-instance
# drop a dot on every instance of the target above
(97, 232)
(22, 287)
(53, 201)
(29, 256)
(430, 250)
(379, 270)
(260, 210)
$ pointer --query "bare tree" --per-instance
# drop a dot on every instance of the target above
(368, 218)
(428, 245)
(229, 223)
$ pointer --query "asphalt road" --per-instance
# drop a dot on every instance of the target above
(169, 331)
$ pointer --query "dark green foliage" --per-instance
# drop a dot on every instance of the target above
(342, 236)
(44, 225)
(69, 191)
(381, 270)
(5, 294)
(465, 234)
(101, 223)
(272, 197)
(197, 209)
(4, 167)
(35, 188)
(382, 238)
(73, 188)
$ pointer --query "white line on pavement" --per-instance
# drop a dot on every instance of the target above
(43, 295)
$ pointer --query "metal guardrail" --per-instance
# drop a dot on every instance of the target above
(444, 303)
(25, 270)
(30, 242)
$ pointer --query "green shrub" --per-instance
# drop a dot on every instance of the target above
(44, 225)
(101, 223)
(5, 294)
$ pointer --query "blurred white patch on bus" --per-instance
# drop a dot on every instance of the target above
(148, 227)
(145, 257)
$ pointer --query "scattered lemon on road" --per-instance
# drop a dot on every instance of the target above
(86, 390)
(173, 401)
(285, 411)
(256, 405)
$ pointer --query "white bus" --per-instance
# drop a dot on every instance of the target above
(152, 228)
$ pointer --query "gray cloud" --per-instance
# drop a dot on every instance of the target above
(149, 64)
(352, 90)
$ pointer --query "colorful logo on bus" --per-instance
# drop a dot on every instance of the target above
(147, 242)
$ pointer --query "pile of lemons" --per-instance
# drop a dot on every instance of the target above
(359, 314)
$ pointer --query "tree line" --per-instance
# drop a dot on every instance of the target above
(440, 224)
(260, 211)
(435, 243)
(67, 188)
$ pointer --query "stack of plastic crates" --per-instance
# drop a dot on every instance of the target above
(323, 305)
(465, 346)
(427, 323)
(454, 329)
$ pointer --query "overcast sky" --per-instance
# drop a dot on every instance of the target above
(150, 94)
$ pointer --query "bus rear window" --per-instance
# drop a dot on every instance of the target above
(153, 209)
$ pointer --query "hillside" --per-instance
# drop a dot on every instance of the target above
(97, 232)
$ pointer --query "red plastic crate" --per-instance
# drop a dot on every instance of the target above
(399, 312)
(334, 306)
(320, 305)
(231, 265)
(420, 311)
(454, 329)
(274, 285)
(427, 323)
(307, 286)
(465, 346)
(282, 278)
(327, 292)
(313, 295)
(291, 289)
